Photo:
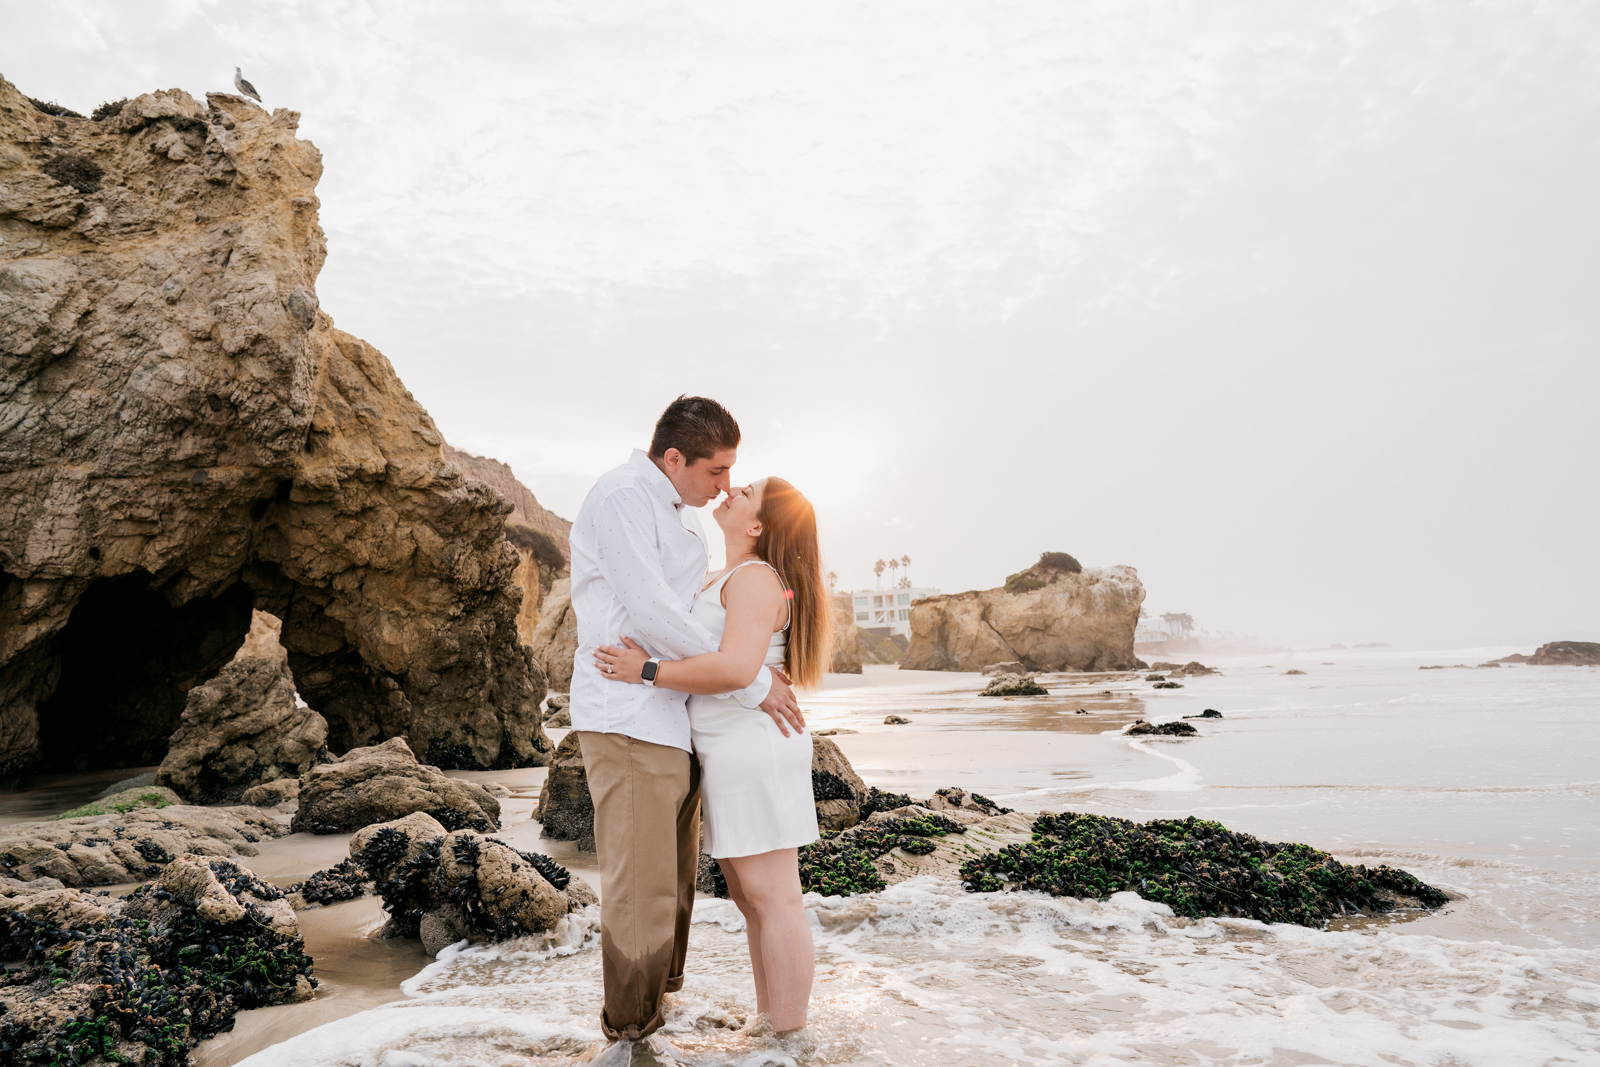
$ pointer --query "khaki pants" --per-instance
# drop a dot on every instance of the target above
(647, 834)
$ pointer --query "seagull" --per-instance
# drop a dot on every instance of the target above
(243, 86)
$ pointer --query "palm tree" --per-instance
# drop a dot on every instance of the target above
(894, 566)
(877, 570)
(905, 561)
(833, 580)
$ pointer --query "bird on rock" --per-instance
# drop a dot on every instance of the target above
(245, 87)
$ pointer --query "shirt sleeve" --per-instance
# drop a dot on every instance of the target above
(629, 561)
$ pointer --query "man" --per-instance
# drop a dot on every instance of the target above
(638, 558)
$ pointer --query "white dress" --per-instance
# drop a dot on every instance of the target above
(755, 784)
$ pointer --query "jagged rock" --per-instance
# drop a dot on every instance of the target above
(566, 810)
(896, 720)
(846, 652)
(555, 640)
(263, 640)
(444, 886)
(242, 729)
(105, 980)
(112, 848)
(188, 438)
(1047, 618)
(1008, 667)
(1567, 653)
(385, 782)
(1013, 685)
(1166, 729)
(558, 712)
(1167, 685)
(271, 794)
(836, 788)
(534, 580)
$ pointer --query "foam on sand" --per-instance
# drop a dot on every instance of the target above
(926, 973)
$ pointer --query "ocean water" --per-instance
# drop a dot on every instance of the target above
(1483, 782)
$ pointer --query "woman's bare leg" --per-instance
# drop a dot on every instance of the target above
(770, 886)
(752, 933)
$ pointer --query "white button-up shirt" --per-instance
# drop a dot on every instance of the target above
(638, 559)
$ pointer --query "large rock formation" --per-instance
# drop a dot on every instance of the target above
(846, 647)
(555, 641)
(1052, 618)
(1567, 653)
(538, 534)
(242, 729)
(384, 782)
(184, 436)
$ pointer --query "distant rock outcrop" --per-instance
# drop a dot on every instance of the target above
(1047, 618)
(242, 729)
(1567, 653)
(846, 648)
(188, 437)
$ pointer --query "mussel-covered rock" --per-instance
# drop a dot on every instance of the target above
(1197, 867)
(472, 886)
(145, 978)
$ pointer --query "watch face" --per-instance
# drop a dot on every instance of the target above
(648, 671)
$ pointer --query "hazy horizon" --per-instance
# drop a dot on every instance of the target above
(1292, 309)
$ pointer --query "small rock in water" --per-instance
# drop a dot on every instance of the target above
(1209, 713)
(1294, 672)
(1081, 711)
(1166, 729)
(896, 720)
(1014, 685)
(1167, 685)
(1155, 677)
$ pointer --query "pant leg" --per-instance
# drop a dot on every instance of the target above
(640, 793)
(688, 873)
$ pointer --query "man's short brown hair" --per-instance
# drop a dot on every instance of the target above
(696, 426)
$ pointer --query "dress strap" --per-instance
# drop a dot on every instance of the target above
(788, 596)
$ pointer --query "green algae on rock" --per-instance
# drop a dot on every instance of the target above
(1197, 867)
(150, 796)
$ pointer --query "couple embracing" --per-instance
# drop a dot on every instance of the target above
(683, 704)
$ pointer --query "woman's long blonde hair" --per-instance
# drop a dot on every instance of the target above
(788, 541)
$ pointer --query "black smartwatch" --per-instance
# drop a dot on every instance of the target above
(648, 671)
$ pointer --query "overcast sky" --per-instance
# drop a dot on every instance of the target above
(1293, 307)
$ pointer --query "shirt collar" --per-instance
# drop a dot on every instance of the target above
(659, 484)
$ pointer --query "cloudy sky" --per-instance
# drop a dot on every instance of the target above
(1293, 307)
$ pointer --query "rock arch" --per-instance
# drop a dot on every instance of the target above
(184, 435)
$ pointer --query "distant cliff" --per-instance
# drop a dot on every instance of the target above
(1050, 617)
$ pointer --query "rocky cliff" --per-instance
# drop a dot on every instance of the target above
(538, 535)
(1048, 618)
(185, 436)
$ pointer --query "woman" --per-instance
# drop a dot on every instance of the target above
(768, 606)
